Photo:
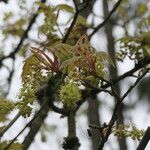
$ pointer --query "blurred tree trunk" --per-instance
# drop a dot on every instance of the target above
(93, 104)
(113, 71)
(93, 118)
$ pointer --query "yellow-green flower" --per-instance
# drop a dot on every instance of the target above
(70, 94)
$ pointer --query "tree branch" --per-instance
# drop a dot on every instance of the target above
(115, 112)
(145, 140)
(9, 125)
(35, 127)
(140, 65)
(107, 18)
(73, 21)
(27, 125)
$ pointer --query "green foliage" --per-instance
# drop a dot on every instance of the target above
(7, 16)
(22, 51)
(63, 67)
(141, 9)
(49, 26)
(144, 25)
(84, 59)
(15, 29)
(136, 48)
(92, 80)
(29, 69)
(5, 108)
(82, 21)
(62, 51)
(78, 62)
(32, 78)
(14, 146)
(70, 94)
(128, 130)
(65, 7)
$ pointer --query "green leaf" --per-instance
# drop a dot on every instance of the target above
(22, 50)
(62, 51)
(7, 16)
(65, 7)
(70, 61)
(82, 21)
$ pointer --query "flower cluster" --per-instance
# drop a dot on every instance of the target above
(70, 94)
(128, 131)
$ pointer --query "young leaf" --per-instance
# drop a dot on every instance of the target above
(65, 7)
(83, 40)
(70, 61)
(62, 51)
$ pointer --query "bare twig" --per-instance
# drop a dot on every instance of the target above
(132, 86)
(107, 18)
(73, 21)
(9, 125)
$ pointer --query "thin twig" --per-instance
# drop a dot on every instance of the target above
(72, 23)
(132, 86)
(107, 18)
(78, 11)
(9, 125)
